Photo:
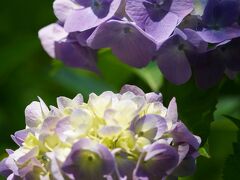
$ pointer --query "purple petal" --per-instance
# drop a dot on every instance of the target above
(33, 114)
(128, 42)
(85, 3)
(49, 124)
(125, 165)
(31, 154)
(31, 169)
(9, 151)
(4, 170)
(13, 177)
(217, 36)
(163, 29)
(183, 150)
(196, 40)
(95, 15)
(154, 97)
(63, 102)
(158, 18)
(181, 134)
(182, 8)
(83, 36)
(172, 112)
(109, 131)
(131, 88)
(172, 60)
(159, 159)
(73, 54)
(150, 126)
(158, 23)
(217, 13)
(89, 160)
(20, 136)
(63, 126)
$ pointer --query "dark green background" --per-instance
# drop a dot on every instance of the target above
(26, 72)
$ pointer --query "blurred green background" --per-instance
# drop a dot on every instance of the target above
(26, 72)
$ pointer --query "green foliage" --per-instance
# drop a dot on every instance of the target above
(203, 152)
(117, 73)
(151, 75)
(232, 164)
(195, 106)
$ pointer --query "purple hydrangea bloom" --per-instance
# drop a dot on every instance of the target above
(158, 18)
(126, 135)
(126, 40)
(209, 67)
(218, 23)
(199, 47)
(141, 31)
(64, 46)
(193, 55)
(94, 24)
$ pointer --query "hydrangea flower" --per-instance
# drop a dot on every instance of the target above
(126, 135)
(102, 23)
(206, 46)
(184, 37)
(62, 45)
(158, 18)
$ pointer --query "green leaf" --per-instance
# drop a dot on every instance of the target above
(231, 169)
(234, 120)
(112, 70)
(80, 81)
(195, 106)
(117, 73)
(151, 75)
(203, 152)
(232, 166)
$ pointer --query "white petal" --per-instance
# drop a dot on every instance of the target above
(63, 8)
(49, 35)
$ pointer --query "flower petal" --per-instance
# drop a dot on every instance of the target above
(172, 112)
(172, 60)
(158, 18)
(63, 8)
(131, 88)
(95, 15)
(159, 159)
(150, 126)
(73, 54)
(89, 160)
(49, 35)
(132, 45)
(217, 36)
(181, 134)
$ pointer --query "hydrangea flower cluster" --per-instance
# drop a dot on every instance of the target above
(182, 36)
(127, 135)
